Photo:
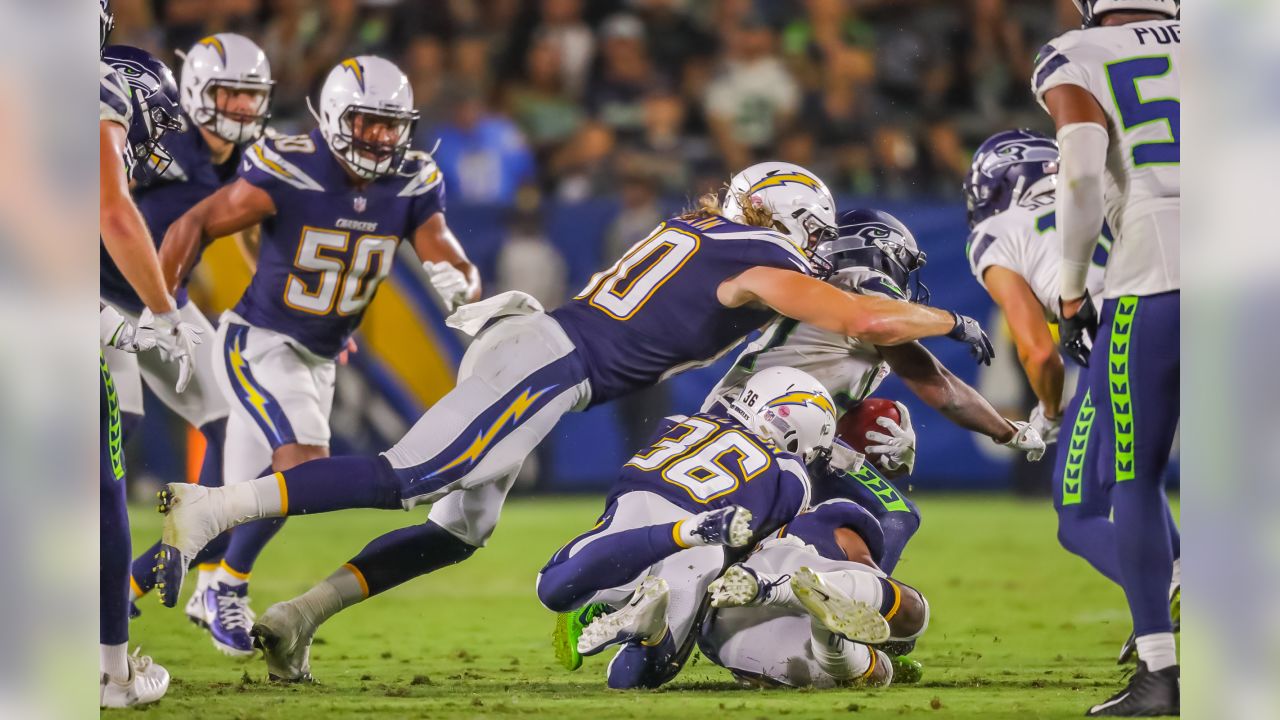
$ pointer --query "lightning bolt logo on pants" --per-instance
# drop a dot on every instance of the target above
(514, 412)
(239, 366)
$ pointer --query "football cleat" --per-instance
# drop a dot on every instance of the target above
(644, 617)
(882, 672)
(729, 526)
(1129, 650)
(906, 671)
(1148, 694)
(839, 613)
(195, 609)
(231, 618)
(738, 586)
(190, 522)
(284, 636)
(134, 612)
(568, 629)
(147, 683)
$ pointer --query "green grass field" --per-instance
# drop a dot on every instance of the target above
(1020, 629)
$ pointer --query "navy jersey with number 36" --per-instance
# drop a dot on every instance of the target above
(655, 312)
(330, 243)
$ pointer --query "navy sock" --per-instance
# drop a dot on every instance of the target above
(247, 542)
(339, 483)
(215, 439)
(404, 554)
(640, 666)
(568, 581)
(1093, 538)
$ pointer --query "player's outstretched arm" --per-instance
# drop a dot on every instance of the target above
(452, 274)
(124, 232)
(233, 208)
(941, 390)
(1082, 141)
(1037, 352)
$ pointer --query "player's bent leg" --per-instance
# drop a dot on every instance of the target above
(840, 611)
(643, 619)
(641, 664)
(898, 516)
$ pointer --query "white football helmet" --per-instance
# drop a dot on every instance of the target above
(802, 206)
(1092, 10)
(375, 90)
(234, 62)
(790, 408)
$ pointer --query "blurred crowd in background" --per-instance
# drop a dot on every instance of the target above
(569, 99)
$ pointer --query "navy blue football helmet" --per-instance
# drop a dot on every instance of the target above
(155, 100)
(1093, 10)
(876, 240)
(1004, 166)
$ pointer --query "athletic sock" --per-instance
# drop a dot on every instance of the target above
(401, 555)
(1158, 651)
(247, 543)
(205, 573)
(840, 658)
(224, 574)
(327, 598)
(258, 498)
(114, 661)
(338, 483)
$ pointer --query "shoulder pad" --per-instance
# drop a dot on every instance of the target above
(269, 156)
(770, 238)
(423, 173)
(114, 102)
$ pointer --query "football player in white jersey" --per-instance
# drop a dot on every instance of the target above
(1113, 91)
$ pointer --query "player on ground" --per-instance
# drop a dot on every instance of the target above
(1113, 91)
(125, 118)
(706, 481)
(778, 613)
(1015, 252)
(335, 204)
(225, 95)
(680, 298)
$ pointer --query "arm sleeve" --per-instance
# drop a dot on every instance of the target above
(1080, 200)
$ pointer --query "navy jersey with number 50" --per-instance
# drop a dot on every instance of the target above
(708, 461)
(330, 243)
(655, 312)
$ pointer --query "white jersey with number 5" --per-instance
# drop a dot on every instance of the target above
(1132, 71)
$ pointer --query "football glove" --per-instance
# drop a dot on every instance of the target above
(1025, 439)
(968, 331)
(176, 341)
(1078, 331)
(1045, 425)
(449, 283)
(896, 449)
(117, 332)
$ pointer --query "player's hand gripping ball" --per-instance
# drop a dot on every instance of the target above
(891, 443)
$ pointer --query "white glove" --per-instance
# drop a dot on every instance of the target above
(1047, 427)
(117, 332)
(449, 283)
(898, 448)
(844, 458)
(1026, 439)
(176, 340)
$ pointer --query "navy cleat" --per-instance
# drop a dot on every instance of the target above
(729, 526)
(134, 612)
(1148, 694)
(171, 570)
(230, 618)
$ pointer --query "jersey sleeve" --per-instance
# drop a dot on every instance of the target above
(770, 249)
(989, 245)
(1064, 61)
(426, 188)
(265, 166)
(114, 104)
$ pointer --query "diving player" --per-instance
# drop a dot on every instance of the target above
(705, 482)
(335, 205)
(127, 131)
(681, 297)
(1015, 252)
(1113, 91)
(225, 95)
(778, 613)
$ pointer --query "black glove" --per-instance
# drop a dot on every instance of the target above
(1078, 331)
(968, 331)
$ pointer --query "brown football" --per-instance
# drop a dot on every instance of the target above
(854, 424)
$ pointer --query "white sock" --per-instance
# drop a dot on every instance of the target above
(840, 658)
(344, 588)
(114, 661)
(205, 575)
(258, 498)
(1158, 651)
(684, 532)
(224, 575)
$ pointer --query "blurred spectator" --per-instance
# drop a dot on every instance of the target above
(540, 102)
(945, 161)
(287, 38)
(562, 20)
(482, 154)
(753, 98)
(662, 152)
(528, 261)
(895, 157)
(828, 34)
(473, 59)
(424, 63)
(999, 60)
(615, 95)
(680, 50)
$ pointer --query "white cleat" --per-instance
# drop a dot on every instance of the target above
(737, 587)
(838, 612)
(644, 617)
(147, 683)
(195, 609)
(284, 636)
(192, 517)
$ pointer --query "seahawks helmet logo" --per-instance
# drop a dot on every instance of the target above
(141, 81)
(873, 233)
(1019, 151)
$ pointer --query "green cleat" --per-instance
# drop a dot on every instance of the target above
(906, 671)
(568, 629)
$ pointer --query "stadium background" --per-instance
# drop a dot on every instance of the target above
(568, 129)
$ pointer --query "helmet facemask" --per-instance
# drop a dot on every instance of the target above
(151, 159)
(368, 158)
(235, 127)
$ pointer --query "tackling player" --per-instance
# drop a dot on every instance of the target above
(335, 204)
(225, 95)
(127, 131)
(1113, 91)
(680, 298)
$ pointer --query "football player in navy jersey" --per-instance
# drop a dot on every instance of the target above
(224, 97)
(679, 298)
(334, 206)
(129, 125)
